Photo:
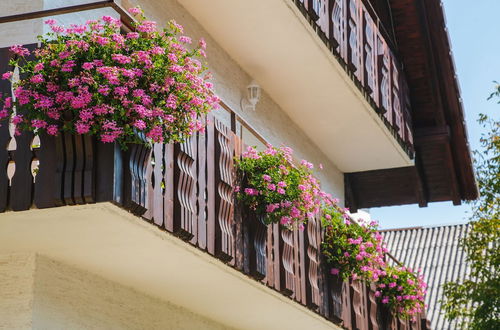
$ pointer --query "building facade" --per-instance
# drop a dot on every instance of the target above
(365, 88)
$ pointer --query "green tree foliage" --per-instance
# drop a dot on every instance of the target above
(475, 301)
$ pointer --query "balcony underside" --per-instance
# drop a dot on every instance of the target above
(106, 240)
(276, 45)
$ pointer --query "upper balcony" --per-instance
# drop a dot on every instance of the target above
(327, 61)
(376, 93)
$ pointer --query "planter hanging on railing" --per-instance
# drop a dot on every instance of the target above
(111, 85)
(275, 189)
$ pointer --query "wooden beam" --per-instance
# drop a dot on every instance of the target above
(455, 192)
(350, 197)
(56, 11)
(420, 184)
(431, 135)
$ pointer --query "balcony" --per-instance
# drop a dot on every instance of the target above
(185, 190)
(329, 61)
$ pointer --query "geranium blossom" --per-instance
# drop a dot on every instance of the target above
(276, 189)
(110, 85)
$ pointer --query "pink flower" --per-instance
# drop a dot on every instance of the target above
(7, 75)
(50, 22)
(271, 207)
(19, 50)
(82, 128)
(271, 186)
(385, 300)
(266, 177)
(140, 124)
(52, 130)
(334, 271)
(38, 123)
(285, 220)
(135, 10)
(185, 39)
(378, 293)
(38, 67)
(103, 89)
(146, 26)
(280, 191)
(236, 188)
(132, 35)
(37, 79)
(202, 43)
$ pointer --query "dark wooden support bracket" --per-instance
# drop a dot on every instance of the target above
(420, 184)
(455, 192)
(431, 135)
(350, 197)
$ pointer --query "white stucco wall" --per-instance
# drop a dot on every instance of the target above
(37, 292)
(69, 298)
(17, 278)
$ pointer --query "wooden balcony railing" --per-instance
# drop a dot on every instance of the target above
(185, 189)
(357, 38)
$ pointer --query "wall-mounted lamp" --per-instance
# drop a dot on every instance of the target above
(249, 101)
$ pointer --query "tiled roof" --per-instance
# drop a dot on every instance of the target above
(437, 252)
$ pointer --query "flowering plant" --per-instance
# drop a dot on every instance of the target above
(92, 79)
(277, 189)
(351, 249)
(403, 290)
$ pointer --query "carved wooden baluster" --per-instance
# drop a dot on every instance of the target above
(270, 270)
(5, 137)
(313, 246)
(384, 78)
(287, 275)
(138, 157)
(297, 294)
(353, 22)
(224, 230)
(185, 220)
(211, 193)
(258, 258)
(369, 55)
(78, 171)
(347, 320)
(22, 181)
(320, 8)
(157, 172)
(150, 184)
(396, 101)
(393, 324)
(303, 278)
(45, 184)
(408, 135)
(335, 289)
(88, 185)
(202, 187)
(359, 305)
(338, 17)
(169, 192)
(244, 249)
(373, 323)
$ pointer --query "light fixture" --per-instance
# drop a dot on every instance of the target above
(252, 97)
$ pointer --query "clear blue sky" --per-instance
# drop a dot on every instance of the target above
(474, 29)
